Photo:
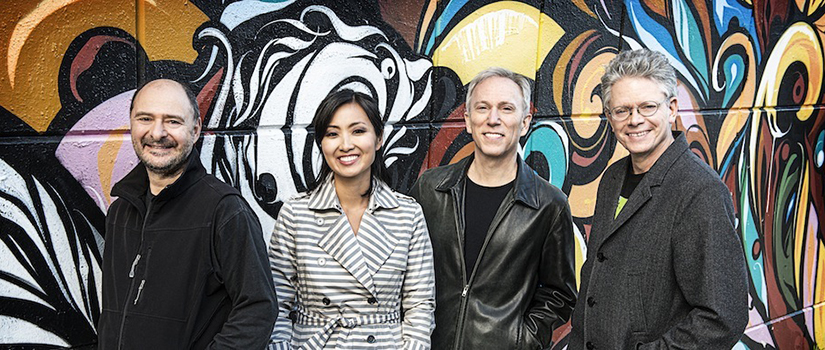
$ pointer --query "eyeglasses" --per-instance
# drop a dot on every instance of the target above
(646, 109)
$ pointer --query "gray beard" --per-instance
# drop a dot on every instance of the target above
(172, 169)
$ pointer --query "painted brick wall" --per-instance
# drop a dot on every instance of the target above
(750, 93)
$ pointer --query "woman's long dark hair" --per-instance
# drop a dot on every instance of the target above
(323, 116)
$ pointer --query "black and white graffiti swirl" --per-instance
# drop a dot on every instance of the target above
(270, 90)
(50, 252)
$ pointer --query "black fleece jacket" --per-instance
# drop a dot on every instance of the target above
(187, 272)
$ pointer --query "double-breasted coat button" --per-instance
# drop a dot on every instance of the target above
(319, 221)
(372, 300)
(322, 261)
(590, 346)
(371, 339)
(591, 301)
(600, 256)
(325, 301)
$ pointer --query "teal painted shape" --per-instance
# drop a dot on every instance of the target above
(747, 228)
(819, 150)
(690, 40)
(546, 141)
(734, 67)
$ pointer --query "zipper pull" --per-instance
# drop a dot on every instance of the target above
(464, 292)
(139, 289)
(134, 264)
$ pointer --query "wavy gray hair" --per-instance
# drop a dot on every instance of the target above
(519, 79)
(641, 63)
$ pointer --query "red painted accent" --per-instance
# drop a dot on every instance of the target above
(206, 95)
(86, 56)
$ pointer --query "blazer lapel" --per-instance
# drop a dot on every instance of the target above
(605, 213)
(637, 200)
(341, 243)
(377, 242)
(643, 192)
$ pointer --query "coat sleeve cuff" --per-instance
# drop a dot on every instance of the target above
(416, 345)
(281, 345)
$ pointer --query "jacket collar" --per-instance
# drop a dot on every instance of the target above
(135, 184)
(525, 185)
(657, 172)
(654, 178)
(325, 198)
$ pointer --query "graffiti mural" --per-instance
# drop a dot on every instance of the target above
(751, 93)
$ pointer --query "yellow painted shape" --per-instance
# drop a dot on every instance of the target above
(809, 7)
(585, 195)
(582, 5)
(733, 123)
(428, 17)
(37, 35)
(169, 28)
(799, 43)
(559, 74)
(504, 34)
(584, 102)
(580, 254)
(106, 158)
(736, 118)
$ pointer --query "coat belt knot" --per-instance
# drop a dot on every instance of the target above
(319, 340)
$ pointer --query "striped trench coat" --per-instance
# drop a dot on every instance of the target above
(338, 290)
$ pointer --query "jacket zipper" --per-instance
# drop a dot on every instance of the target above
(131, 276)
(463, 305)
(459, 223)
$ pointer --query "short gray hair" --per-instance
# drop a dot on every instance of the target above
(641, 63)
(519, 79)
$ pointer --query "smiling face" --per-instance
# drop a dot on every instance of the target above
(350, 143)
(496, 118)
(646, 138)
(163, 128)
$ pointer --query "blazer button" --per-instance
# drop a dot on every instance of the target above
(319, 221)
(600, 256)
(325, 301)
(591, 301)
(372, 300)
(590, 346)
(370, 339)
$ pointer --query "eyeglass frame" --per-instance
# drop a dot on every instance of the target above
(609, 112)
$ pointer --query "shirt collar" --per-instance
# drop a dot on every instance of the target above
(325, 198)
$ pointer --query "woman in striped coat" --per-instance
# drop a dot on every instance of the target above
(351, 259)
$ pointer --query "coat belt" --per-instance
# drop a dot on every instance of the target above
(319, 339)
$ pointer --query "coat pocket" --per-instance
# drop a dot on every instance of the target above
(637, 339)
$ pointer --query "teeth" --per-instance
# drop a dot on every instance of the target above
(348, 158)
(637, 134)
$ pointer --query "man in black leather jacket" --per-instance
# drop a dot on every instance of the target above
(502, 236)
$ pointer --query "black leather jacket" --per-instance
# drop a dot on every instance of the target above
(523, 285)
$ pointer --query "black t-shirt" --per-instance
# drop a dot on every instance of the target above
(631, 180)
(480, 207)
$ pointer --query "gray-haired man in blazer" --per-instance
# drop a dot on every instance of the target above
(665, 267)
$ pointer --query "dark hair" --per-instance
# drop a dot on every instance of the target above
(193, 101)
(323, 116)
